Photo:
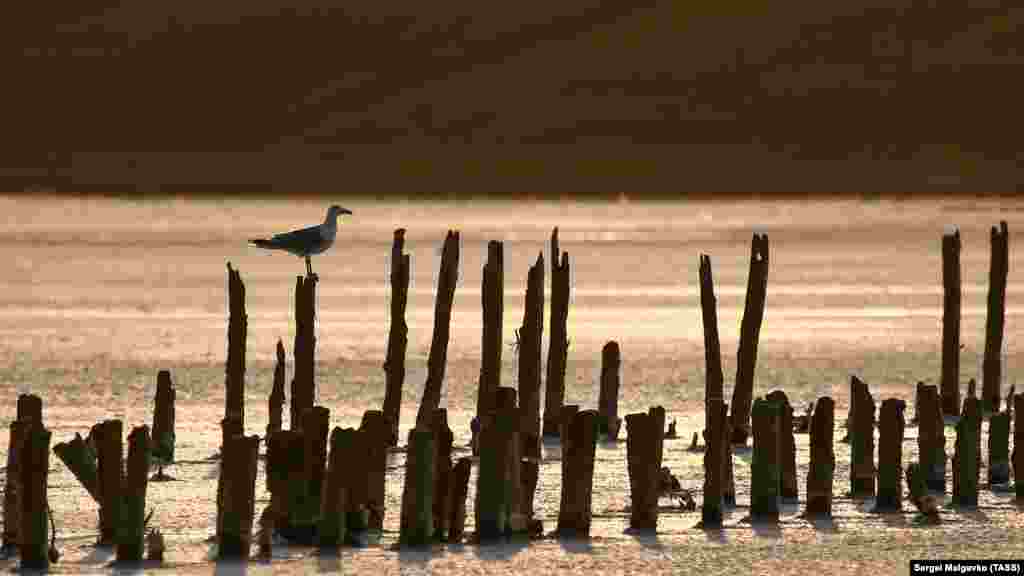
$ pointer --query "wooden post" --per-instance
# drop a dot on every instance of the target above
(417, 507)
(574, 515)
(163, 422)
(30, 408)
(965, 458)
(890, 456)
(239, 471)
(443, 437)
(333, 504)
(110, 456)
(999, 449)
(131, 527)
(376, 432)
(714, 465)
(764, 467)
(996, 319)
(823, 460)
(641, 454)
(315, 426)
(787, 446)
(398, 336)
(492, 302)
(234, 398)
(495, 483)
(529, 360)
(862, 440)
(608, 397)
(951, 323)
(713, 379)
(459, 489)
(558, 347)
(447, 278)
(285, 478)
(12, 488)
(931, 439)
(1018, 446)
(81, 460)
(750, 329)
(304, 379)
(275, 404)
(657, 413)
(34, 463)
(529, 473)
(728, 478)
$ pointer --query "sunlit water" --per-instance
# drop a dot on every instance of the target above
(97, 295)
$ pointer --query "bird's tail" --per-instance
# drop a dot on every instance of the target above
(262, 243)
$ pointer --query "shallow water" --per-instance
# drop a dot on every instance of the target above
(99, 294)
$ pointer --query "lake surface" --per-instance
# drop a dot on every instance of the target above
(98, 294)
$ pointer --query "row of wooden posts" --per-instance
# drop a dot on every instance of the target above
(314, 500)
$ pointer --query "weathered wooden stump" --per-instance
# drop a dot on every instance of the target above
(398, 336)
(496, 483)
(862, 440)
(890, 456)
(999, 449)
(275, 404)
(285, 479)
(29, 408)
(417, 527)
(81, 460)
(714, 465)
(765, 477)
(459, 490)
(376, 432)
(131, 526)
(304, 379)
(996, 319)
(163, 423)
(1018, 446)
(530, 335)
(931, 439)
(578, 448)
(234, 382)
(823, 460)
(558, 346)
(608, 396)
(713, 379)
(750, 329)
(443, 438)
(447, 279)
(239, 472)
(657, 413)
(728, 478)
(965, 459)
(529, 473)
(110, 463)
(950, 390)
(331, 530)
(492, 302)
(34, 513)
(641, 453)
(315, 428)
(787, 446)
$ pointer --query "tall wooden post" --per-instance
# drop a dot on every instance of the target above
(996, 319)
(890, 456)
(712, 351)
(608, 396)
(29, 410)
(823, 460)
(750, 329)
(558, 347)
(446, 280)
(951, 323)
(275, 404)
(862, 440)
(714, 465)
(304, 379)
(110, 456)
(530, 335)
(398, 336)
(492, 301)
(234, 398)
(33, 532)
(931, 439)
(131, 523)
(764, 467)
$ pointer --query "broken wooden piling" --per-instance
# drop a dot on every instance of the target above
(163, 422)
(375, 431)
(239, 471)
(750, 329)
(530, 335)
(608, 396)
(81, 460)
(787, 447)
(107, 436)
(931, 439)
(862, 440)
(558, 347)
(417, 527)
(285, 480)
(443, 438)
(765, 479)
(644, 473)
(890, 456)
(29, 409)
(996, 318)
(446, 280)
(965, 458)
(303, 389)
(275, 404)
(498, 478)
(951, 289)
(999, 448)
(131, 524)
(234, 381)
(398, 336)
(823, 460)
(331, 530)
(1018, 446)
(33, 534)
(459, 490)
(713, 379)
(492, 302)
(579, 443)
(315, 428)
(714, 465)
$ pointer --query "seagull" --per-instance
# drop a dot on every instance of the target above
(307, 241)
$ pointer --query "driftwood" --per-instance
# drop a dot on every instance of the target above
(558, 346)
(398, 336)
(950, 388)
(750, 329)
(996, 318)
(446, 281)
